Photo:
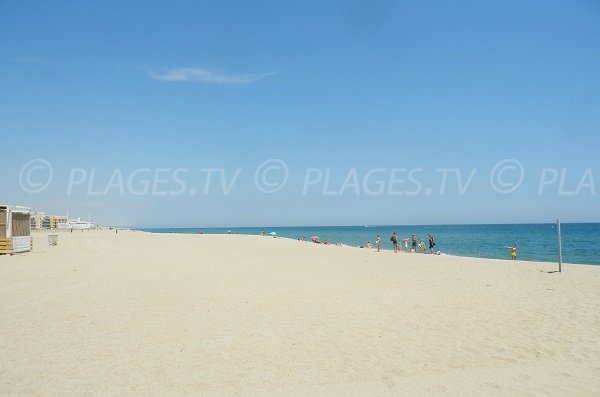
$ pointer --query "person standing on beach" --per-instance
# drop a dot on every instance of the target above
(422, 246)
(414, 243)
(431, 243)
(513, 252)
(394, 240)
(378, 243)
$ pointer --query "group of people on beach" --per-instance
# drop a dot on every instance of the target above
(413, 239)
(397, 245)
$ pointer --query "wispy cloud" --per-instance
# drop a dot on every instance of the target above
(205, 76)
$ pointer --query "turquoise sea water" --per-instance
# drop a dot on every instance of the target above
(535, 242)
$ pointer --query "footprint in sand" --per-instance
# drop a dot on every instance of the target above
(505, 359)
(440, 389)
(389, 382)
(470, 350)
(491, 385)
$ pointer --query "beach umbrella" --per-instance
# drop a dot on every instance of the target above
(315, 238)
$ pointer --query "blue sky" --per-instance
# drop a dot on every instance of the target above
(101, 90)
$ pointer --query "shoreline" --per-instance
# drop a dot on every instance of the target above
(372, 249)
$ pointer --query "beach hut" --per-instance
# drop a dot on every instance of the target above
(15, 229)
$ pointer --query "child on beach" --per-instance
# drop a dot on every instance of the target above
(513, 252)
(369, 245)
(422, 246)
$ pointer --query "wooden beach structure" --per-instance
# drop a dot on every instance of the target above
(15, 229)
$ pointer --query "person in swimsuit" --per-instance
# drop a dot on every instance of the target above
(431, 243)
(513, 252)
(422, 246)
(394, 240)
(378, 243)
(414, 243)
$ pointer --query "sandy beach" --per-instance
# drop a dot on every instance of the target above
(219, 315)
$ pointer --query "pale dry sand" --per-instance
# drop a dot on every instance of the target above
(203, 315)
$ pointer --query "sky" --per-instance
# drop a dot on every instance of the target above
(237, 113)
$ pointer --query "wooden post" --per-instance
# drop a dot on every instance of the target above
(559, 245)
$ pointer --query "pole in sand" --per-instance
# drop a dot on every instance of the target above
(559, 245)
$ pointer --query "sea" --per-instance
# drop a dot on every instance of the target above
(535, 242)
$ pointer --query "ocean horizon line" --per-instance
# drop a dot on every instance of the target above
(360, 225)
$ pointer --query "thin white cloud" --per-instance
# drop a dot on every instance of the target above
(205, 76)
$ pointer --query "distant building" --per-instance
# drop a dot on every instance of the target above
(37, 220)
(56, 220)
(40, 220)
